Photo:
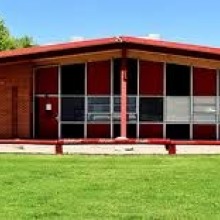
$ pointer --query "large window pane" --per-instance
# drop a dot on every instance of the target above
(178, 131)
(99, 109)
(177, 80)
(151, 109)
(178, 109)
(132, 76)
(73, 79)
(73, 109)
(116, 76)
(72, 130)
(98, 104)
(131, 109)
(204, 109)
(131, 104)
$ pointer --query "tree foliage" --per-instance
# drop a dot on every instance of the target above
(8, 42)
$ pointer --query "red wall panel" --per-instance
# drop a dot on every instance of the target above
(151, 131)
(46, 80)
(207, 132)
(99, 78)
(151, 78)
(204, 82)
(45, 121)
(98, 130)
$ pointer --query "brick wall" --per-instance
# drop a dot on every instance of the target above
(15, 101)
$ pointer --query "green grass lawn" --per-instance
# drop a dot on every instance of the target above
(109, 187)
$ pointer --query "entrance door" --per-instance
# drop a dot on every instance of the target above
(46, 102)
(46, 112)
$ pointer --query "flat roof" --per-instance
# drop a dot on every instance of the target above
(139, 43)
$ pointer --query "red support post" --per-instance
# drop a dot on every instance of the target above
(124, 94)
(171, 149)
(59, 148)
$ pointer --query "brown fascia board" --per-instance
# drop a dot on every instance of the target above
(174, 51)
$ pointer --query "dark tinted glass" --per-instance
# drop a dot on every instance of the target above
(72, 130)
(73, 109)
(116, 130)
(132, 76)
(177, 80)
(131, 130)
(73, 79)
(116, 76)
(177, 131)
(151, 109)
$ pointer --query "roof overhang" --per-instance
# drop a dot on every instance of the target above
(108, 44)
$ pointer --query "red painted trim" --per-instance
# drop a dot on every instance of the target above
(98, 130)
(124, 94)
(196, 142)
(204, 82)
(156, 141)
(45, 75)
(170, 145)
(204, 131)
(151, 130)
(86, 141)
(151, 78)
(99, 78)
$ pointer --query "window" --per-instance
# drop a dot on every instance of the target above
(177, 80)
(178, 109)
(116, 130)
(73, 79)
(131, 130)
(73, 109)
(204, 109)
(131, 76)
(178, 131)
(116, 76)
(72, 130)
(151, 109)
(99, 109)
(131, 109)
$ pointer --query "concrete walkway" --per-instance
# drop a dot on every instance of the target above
(109, 149)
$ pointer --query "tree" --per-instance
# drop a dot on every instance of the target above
(8, 42)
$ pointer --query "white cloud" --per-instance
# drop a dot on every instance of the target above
(77, 38)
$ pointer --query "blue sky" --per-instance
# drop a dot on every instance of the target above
(51, 21)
